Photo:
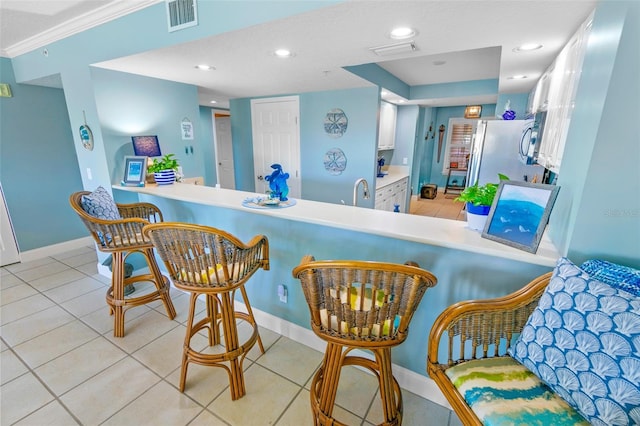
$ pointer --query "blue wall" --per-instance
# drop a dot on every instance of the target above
(130, 105)
(359, 143)
(38, 164)
(207, 146)
(594, 129)
(597, 213)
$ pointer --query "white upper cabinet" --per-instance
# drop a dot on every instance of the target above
(555, 93)
(387, 130)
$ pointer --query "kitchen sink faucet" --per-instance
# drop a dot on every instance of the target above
(365, 190)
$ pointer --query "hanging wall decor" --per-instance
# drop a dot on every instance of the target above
(186, 128)
(440, 139)
(335, 123)
(86, 135)
(335, 162)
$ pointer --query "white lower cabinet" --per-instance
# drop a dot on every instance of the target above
(389, 195)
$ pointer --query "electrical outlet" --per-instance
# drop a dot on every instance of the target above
(282, 293)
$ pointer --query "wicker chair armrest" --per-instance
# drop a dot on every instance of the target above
(147, 211)
(260, 244)
(483, 323)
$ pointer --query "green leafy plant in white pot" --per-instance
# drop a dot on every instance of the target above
(478, 201)
(164, 169)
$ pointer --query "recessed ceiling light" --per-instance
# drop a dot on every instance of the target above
(205, 67)
(213, 102)
(528, 47)
(517, 77)
(402, 33)
(283, 53)
(438, 63)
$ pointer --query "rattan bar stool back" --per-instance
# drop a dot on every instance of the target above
(360, 305)
(213, 263)
(122, 238)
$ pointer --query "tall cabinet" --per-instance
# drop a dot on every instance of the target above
(387, 129)
(555, 93)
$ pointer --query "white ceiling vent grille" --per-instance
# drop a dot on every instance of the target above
(181, 14)
(394, 49)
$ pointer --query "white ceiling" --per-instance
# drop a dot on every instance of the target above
(476, 39)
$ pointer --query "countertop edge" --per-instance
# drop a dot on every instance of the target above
(451, 234)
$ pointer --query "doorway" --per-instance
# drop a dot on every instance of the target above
(276, 139)
(9, 252)
(225, 172)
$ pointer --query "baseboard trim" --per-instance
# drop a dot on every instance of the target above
(53, 249)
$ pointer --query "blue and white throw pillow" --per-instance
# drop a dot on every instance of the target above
(100, 204)
(583, 340)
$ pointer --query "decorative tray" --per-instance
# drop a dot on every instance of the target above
(267, 203)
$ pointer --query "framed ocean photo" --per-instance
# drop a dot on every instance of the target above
(519, 214)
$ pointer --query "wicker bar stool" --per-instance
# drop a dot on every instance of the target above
(359, 305)
(122, 237)
(210, 262)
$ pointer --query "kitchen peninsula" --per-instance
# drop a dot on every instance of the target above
(466, 265)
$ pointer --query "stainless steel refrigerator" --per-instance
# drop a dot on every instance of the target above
(496, 149)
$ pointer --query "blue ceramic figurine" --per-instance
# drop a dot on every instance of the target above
(278, 183)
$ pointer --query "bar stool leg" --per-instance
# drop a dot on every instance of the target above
(250, 312)
(212, 314)
(161, 283)
(187, 340)
(392, 411)
(329, 376)
(236, 377)
(117, 294)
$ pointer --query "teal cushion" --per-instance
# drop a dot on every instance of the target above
(619, 276)
(583, 341)
(501, 391)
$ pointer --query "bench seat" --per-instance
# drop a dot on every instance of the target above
(501, 391)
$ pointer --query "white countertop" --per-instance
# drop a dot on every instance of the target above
(446, 233)
(392, 175)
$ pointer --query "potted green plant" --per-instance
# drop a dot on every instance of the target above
(164, 169)
(478, 201)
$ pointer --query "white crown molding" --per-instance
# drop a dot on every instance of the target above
(76, 25)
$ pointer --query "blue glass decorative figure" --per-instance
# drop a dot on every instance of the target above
(278, 183)
(508, 114)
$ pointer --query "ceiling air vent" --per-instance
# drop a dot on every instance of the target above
(181, 14)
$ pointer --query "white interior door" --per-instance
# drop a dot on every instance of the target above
(9, 252)
(276, 139)
(225, 171)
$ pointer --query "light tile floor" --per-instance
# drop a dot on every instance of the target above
(60, 364)
(443, 206)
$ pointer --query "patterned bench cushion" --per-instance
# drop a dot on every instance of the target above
(503, 392)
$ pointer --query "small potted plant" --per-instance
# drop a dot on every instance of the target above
(164, 169)
(478, 201)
